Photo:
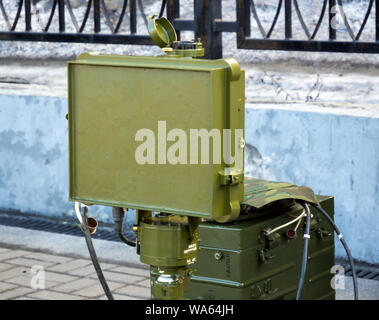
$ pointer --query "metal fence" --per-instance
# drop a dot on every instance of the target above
(207, 24)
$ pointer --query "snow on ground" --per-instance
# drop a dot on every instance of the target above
(347, 80)
(354, 10)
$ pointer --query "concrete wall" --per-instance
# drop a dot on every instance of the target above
(332, 153)
(34, 156)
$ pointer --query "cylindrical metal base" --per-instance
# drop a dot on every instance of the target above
(169, 244)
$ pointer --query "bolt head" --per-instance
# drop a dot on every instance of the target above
(218, 255)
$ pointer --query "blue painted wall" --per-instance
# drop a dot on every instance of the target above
(333, 154)
(34, 157)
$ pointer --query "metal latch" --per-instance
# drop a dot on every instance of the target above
(230, 176)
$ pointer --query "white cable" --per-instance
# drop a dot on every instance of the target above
(303, 214)
(78, 214)
(298, 224)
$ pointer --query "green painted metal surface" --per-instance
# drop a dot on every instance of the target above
(112, 97)
(161, 31)
(235, 261)
(169, 245)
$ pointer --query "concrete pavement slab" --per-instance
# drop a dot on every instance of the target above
(71, 275)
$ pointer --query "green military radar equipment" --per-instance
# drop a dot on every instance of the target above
(165, 136)
(238, 260)
(112, 99)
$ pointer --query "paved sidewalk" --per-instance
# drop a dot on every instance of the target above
(66, 278)
(70, 275)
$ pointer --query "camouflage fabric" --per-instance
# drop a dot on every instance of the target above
(259, 193)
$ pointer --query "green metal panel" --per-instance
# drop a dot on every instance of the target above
(112, 97)
(235, 262)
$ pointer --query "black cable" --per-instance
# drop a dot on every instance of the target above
(339, 234)
(305, 251)
(118, 218)
(162, 8)
(126, 240)
(94, 259)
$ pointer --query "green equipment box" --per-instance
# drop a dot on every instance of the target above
(112, 98)
(235, 262)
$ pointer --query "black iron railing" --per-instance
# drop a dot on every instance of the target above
(60, 7)
(330, 10)
(207, 24)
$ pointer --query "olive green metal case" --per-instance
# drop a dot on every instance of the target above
(112, 97)
(235, 262)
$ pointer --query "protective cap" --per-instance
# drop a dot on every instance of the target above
(161, 31)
